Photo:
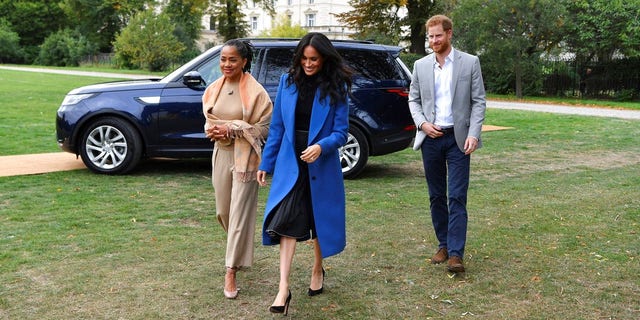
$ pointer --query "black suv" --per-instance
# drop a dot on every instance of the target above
(114, 125)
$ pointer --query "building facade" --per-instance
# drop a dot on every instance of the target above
(312, 15)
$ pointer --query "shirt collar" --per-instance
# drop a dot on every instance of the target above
(450, 57)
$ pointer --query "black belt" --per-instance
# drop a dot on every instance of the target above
(446, 130)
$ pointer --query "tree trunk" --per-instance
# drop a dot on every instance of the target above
(418, 12)
(417, 38)
(518, 71)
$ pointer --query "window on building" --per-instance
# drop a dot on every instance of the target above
(311, 20)
(289, 2)
(254, 23)
(310, 1)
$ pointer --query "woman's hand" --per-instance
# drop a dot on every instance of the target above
(311, 153)
(217, 132)
(261, 176)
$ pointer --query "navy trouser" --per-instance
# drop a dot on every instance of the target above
(444, 164)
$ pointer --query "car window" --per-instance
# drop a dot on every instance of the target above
(210, 70)
(372, 66)
(277, 61)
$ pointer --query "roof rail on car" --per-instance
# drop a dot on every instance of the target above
(296, 39)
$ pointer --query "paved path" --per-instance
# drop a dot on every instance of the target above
(39, 163)
(554, 108)
(82, 73)
(48, 162)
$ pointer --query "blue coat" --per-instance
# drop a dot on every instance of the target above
(328, 128)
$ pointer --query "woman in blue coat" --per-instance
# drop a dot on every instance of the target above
(309, 124)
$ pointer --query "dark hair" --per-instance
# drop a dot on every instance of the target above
(245, 49)
(334, 77)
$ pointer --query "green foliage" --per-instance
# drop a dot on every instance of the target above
(371, 19)
(627, 95)
(409, 59)
(509, 36)
(148, 43)
(33, 21)
(186, 15)
(101, 20)
(284, 29)
(64, 48)
(376, 37)
(230, 22)
(10, 51)
(599, 29)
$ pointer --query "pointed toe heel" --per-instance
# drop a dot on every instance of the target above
(316, 292)
(282, 309)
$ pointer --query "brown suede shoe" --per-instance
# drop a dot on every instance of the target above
(455, 264)
(440, 256)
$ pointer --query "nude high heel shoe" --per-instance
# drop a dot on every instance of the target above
(230, 294)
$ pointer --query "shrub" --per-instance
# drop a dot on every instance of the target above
(283, 28)
(409, 59)
(64, 48)
(10, 51)
(148, 42)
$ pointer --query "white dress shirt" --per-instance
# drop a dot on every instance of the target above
(442, 80)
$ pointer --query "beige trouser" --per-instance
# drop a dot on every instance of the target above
(236, 206)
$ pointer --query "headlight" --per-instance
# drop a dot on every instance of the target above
(72, 99)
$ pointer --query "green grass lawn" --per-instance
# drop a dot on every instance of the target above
(554, 210)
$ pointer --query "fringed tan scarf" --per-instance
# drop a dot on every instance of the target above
(248, 134)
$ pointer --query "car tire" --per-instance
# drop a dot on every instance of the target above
(110, 146)
(354, 154)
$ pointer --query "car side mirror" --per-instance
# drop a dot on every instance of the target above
(193, 79)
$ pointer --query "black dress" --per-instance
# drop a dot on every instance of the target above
(293, 216)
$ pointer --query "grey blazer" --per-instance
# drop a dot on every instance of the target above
(467, 90)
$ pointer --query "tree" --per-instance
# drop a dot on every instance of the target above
(284, 29)
(380, 20)
(230, 20)
(598, 29)
(33, 21)
(101, 20)
(10, 51)
(509, 36)
(418, 12)
(186, 15)
(376, 19)
(148, 42)
(64, 48)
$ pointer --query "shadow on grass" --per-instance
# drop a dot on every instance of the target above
(167, 166)
(390, 170)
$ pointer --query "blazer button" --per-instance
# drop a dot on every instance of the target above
(313, 177)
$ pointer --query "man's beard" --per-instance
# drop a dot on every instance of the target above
(444, 46)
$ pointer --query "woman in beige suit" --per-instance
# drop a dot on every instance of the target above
(238, 113)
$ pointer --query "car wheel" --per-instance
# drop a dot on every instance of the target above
(110, 146)
(354, 154)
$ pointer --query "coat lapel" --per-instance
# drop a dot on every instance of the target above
(455, 72)
(431, 80)
(319, 114)
(289, 112)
